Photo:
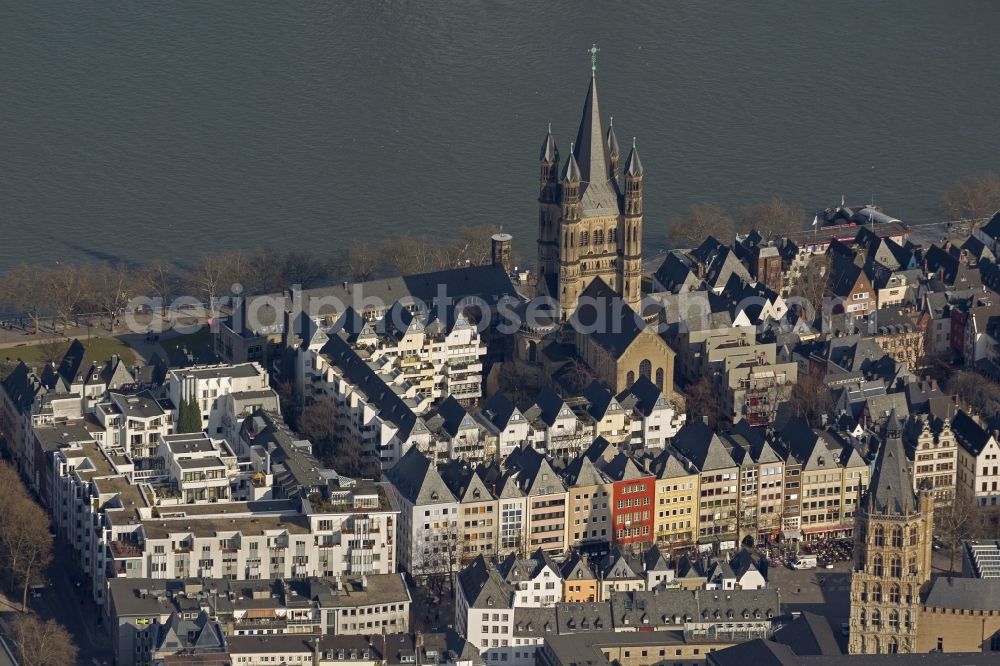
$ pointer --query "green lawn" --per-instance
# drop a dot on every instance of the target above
(35, 354)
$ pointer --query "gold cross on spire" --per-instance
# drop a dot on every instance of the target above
(593, 51)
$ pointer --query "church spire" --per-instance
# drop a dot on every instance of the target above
(633, 165)
(571, 172)
(589, 144)
(549, 153)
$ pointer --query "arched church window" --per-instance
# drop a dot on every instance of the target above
(532, 351)
(894, 593)
(876, 593)
(879, 536)
(893, 620)
(906, 619)
(896, 567)
(646, 369)
(612, 235)
(912, 565)
(876, 618)
(863, 616)
(913, 536)
(584, 239)
(630, 378)
(598, 236)
(892, 647)
(877, 566)
(659, 378)
(897, 537)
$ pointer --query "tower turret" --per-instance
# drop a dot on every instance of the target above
(631, 243)
(614, 153)
(548, 159)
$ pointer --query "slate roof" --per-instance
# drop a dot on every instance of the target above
(992, 228)
(598, 193)
(418, 480)
(966, 593)
(808, 634)
(699, 444)
(463, 482)
(645, 393)
(498, 411)
(613, 323)
(534, 474)
(581, 472)
(576, 568)
(622, 468)
(844, 275)
(970, 434)
(483, 587)
(891, 488)
(633, 165)
(389, 405)
(724, 266)
(677, 273)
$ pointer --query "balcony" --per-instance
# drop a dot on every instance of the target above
(121, 549)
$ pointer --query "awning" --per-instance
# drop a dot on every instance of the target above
(792, 534)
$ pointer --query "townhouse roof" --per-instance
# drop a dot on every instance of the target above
(483, 586)
(703, 447)
(498, 411)
(972, 436)
(576, 568)
(514, 569)
(463, 482)
(622, 468)
(655, 560)
(581, 472)
(534, 621)
(576, 617)
(645, 393)
(533, 472)
(417, 479)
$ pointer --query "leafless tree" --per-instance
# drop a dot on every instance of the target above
(699, 222)
(772, 218)
(257, 271)
(955, 522)
(411, 255)
(25, 540)
(576, 376)
(41, 643)
(305, 269)
(811, 398)
(703, 402)
(210, 278)
(358, 261)
(974, 198)
(811, 285)
(26, 291)
(980, 394)
(65, 288)
(159, 279)
(109, 289)
(52, 350)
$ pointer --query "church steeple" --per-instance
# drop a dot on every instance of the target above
(633, 165)
(589, 145)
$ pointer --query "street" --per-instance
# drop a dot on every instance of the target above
(68, 605)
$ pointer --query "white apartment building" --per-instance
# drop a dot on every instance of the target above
(978, 460)
(208, 384)
(428, 516)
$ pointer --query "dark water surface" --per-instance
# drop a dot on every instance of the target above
(162, 128)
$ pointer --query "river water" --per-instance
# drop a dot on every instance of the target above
(168, 128)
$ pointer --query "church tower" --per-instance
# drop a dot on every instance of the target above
(893, 528)
(590, 215)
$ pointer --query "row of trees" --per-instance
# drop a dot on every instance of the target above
(64, 290)
(25, 552)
